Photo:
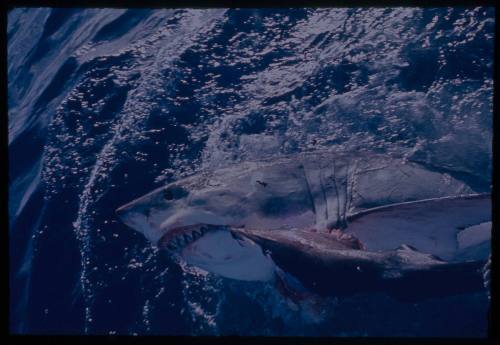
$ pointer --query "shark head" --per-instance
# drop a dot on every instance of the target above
(191, 217)
(270, 196)
(193, 224)
(154, 213)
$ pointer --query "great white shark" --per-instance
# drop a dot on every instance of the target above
(324, 224)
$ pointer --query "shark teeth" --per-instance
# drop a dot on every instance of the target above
(186, 237)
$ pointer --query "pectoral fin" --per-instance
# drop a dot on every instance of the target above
(443, 227)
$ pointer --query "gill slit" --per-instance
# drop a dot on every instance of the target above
(308, 188)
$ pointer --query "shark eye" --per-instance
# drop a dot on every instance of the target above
(168, 195)
(174, 192)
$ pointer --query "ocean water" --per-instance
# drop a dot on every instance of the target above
(106, 104)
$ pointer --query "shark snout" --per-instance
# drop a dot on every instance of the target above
(138, 208)
(136, 217)
(121, 212)
(129, 211)
(128, 216)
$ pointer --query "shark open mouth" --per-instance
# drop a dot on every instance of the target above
(180, 237)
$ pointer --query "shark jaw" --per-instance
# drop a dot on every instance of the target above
(219, 250)
(195, 239)
(178, 238)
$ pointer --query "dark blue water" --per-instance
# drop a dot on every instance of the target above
(105, 105)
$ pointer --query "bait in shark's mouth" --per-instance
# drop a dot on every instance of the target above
(317, 215)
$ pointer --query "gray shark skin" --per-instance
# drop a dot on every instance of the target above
(307, 190)
(322, 219)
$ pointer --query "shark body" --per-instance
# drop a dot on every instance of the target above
(320, 222)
